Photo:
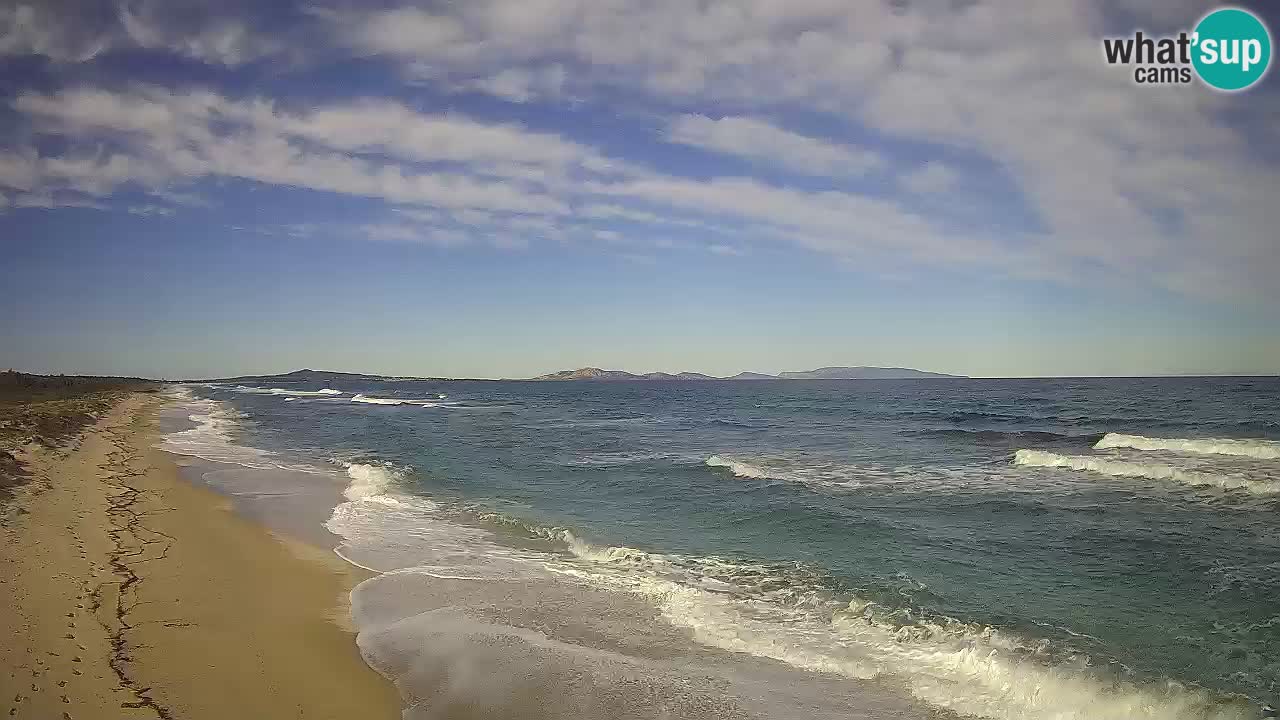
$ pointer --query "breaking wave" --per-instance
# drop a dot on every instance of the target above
(422, 402)
(744, 469)
(783, 613)
(1153, 471)
(250, 390)
(1257, 449)
(370, 481)
(213, 436)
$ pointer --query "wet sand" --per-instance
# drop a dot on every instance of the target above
(126, 592)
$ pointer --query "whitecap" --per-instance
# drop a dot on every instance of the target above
(1115, 467)
(1253, 448)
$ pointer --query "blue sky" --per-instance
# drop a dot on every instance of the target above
(501, 188)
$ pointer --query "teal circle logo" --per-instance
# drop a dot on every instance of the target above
(1231, 49)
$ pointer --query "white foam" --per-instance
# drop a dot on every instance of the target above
(1253, 448)
(774, 612)
(968, 668)
(370, 481)
(743, 469)
(816, 473)
(1154, 471)
(385, 531)
(250, 390)
(213, 437)
(361, 398)
(421, 402)
(304, 393)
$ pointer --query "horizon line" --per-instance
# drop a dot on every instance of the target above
(709, 378)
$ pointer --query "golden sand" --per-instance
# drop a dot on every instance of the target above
(126, 592)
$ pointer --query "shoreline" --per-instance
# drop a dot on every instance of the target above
(134, 593)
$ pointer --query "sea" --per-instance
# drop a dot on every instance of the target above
(1032, 549)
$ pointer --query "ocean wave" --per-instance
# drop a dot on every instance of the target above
(361, 398)
(213, 436)
(370, 480)
(1252, 448)
(973, 669)
(744, 469)
(1153, 471)
(817, 474)
(782, 611)
(305, 393)
(1001, 437)
(736, 424)
(421, 402)
(965, 417)
(250, 390)
(621, 459)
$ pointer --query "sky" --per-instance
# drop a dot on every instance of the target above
(503, 188)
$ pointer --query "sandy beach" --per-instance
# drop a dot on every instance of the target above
(130, 593)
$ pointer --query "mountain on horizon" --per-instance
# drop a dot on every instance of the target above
(824, 373)
(862, 373)
(307, 375)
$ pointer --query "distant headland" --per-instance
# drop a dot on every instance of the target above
(599, 375)
(825, 373)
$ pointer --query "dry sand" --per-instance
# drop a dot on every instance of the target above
(126, 592)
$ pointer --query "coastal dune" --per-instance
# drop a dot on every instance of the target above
(130, 593)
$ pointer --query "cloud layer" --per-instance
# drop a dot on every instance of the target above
(889, 135)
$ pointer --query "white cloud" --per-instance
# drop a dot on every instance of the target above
(74, 31)
(217, 41)
(150, 210)
(176, 137)
(398, 232)
(179, 198)
(1164, 187)
(722, 249)
(520, 85)
(49, 201)
(19, 170)
(761, 141)
(42, 29)
(1114, 176)
(930, 178)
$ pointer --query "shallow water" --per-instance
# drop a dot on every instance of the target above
(1007, 549)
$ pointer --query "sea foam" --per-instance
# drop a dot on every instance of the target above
(743, 469)
(370, 481)
(779, 611)
(774, 613)
(1252, 448)
(422, 402)
(1115, 467)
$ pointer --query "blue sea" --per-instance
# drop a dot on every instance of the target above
(1088, 549)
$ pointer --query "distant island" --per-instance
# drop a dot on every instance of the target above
(825, 373)
(307, 375)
